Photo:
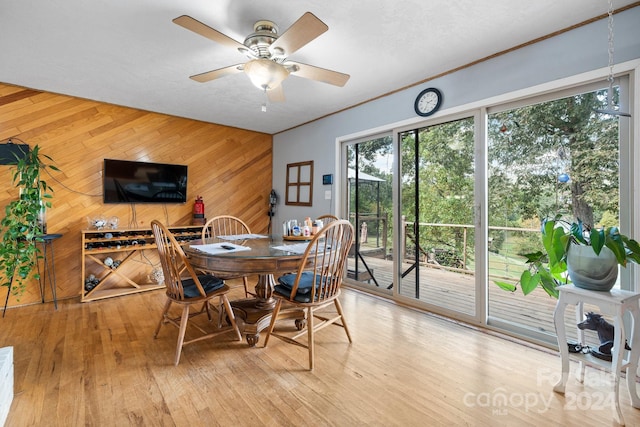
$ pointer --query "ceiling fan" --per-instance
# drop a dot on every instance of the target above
(268, 54)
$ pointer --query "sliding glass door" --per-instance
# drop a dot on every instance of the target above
(470, 193)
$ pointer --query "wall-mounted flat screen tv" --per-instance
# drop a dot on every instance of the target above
(143, 182)
(10, 153)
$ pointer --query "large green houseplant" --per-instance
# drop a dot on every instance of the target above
(22, 223)
(548, 268)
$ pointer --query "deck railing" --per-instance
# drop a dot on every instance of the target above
(505, 263)
(372, 231)
(506, 245)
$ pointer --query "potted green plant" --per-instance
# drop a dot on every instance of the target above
(569, 249)
(23, 222)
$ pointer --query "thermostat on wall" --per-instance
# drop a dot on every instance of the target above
(327, 179)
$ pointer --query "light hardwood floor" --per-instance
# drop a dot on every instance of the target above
(97, 364)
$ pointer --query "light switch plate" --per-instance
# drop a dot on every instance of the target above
(327, 194)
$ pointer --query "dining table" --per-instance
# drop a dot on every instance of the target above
(249, 255)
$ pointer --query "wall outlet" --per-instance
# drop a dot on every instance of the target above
(327, 194)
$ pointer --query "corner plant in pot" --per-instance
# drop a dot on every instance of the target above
(575, 254)
(23, 222)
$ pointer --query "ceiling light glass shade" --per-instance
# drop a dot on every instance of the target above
(265, 74)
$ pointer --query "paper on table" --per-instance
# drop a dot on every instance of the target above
(297, 248)
(217, 248)
(242, 236)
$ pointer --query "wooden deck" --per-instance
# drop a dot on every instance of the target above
(456, 292)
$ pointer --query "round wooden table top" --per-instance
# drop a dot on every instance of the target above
(262, 258)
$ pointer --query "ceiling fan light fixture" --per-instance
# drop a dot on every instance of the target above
(265, 74)
(268, 53)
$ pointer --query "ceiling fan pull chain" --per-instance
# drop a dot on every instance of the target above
(266, 99)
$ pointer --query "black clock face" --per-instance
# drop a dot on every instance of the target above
(428, 102)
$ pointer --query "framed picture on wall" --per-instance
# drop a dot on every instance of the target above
(299, 184)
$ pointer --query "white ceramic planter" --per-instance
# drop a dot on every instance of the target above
(590, 271)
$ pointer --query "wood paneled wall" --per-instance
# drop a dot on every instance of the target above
(229, 167)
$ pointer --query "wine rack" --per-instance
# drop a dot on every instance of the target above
(121, 261)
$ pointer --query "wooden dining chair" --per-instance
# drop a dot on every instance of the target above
(186, 288)
(327, 219)
(227, 225)
(314, 287)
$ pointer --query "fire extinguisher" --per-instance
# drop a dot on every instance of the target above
(198, 209)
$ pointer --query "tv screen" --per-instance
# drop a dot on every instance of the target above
(142, 182)
(10, 153)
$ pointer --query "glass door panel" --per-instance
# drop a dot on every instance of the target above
(554, 157)
(437, 199)
(370, 209)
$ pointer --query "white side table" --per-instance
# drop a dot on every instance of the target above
(613, 303)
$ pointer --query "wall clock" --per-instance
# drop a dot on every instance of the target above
(428, 102)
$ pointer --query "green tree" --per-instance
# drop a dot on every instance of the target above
(530, 147)
(445, 184)
(374, 197)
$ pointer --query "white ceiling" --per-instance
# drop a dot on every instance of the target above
(128, 52)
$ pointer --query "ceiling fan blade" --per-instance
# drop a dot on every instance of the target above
(216, 74)
(320, 74)
(305, 29)
(276, 94)
(206, 31)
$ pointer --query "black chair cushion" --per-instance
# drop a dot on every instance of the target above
(306, 281)
(286, 292)
(287, 281)
(209, 283)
